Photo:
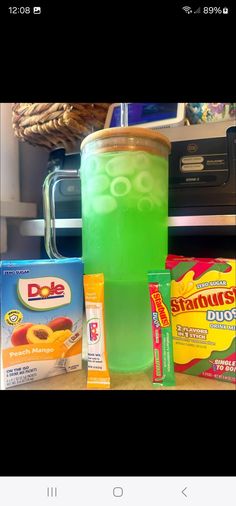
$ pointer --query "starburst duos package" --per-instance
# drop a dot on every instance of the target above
(204, 316)
(41, 319)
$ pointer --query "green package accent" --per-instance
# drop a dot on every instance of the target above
(159, 291)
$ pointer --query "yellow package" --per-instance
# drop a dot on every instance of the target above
(204, 316)
(98, 373)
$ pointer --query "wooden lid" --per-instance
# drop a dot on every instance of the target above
(108, 133)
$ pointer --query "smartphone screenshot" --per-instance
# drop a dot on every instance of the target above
(117, 256)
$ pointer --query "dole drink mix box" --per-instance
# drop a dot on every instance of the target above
(41, 319)
(204, 316)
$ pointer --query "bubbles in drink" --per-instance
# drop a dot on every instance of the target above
(120, 165)
(143, 182)
(120, 186)
(157, 201)
(104, 204)
(145, 204)
(99, 184)
(92, 166)
(124, 180)
(142, 161)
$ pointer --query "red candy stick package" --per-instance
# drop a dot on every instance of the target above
(159, 290)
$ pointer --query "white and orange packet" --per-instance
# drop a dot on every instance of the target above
(98, 372)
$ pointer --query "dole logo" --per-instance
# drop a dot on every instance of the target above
(93, 327)
(41, 294)
(93, 331)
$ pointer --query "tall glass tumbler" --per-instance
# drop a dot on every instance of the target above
(124, 173)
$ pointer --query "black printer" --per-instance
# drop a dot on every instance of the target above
(202, 169)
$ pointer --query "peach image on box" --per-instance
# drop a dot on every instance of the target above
(98, 373)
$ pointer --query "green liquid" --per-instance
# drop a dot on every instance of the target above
(129, 320)
(125, 209)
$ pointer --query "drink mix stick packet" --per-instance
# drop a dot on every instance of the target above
(98, 373)
(159, 290)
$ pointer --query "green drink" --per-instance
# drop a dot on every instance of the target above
(125, 210)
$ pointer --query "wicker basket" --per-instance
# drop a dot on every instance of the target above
(57, 125)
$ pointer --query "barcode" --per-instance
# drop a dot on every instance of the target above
(61, 362)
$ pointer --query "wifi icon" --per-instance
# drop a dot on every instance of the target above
(187, 9)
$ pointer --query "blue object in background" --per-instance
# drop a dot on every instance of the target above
(147, 112)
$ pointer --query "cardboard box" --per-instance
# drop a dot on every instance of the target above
(41, 319)
(204, 316)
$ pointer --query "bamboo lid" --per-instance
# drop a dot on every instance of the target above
(108, 133)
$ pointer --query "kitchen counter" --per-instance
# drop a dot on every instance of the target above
(135, 381)
(141, 381)
(138, 381)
